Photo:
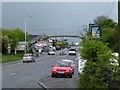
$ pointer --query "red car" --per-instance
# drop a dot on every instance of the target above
(61, 68)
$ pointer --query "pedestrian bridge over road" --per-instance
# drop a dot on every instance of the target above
(45, 37)
(74, 36)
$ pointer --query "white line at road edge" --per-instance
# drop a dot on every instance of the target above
(41, 84)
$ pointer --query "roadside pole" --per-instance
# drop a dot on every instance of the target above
(62, 45)
(119, 29)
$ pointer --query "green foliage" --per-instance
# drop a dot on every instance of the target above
(11, 58)
(5, 42)
(108, 23)
(12, 37)
(110, 36)
(110, 33)
(97, 55)
(92, 49)
(99, 19)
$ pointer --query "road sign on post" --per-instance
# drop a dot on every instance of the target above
(59, 43)
(95, 31)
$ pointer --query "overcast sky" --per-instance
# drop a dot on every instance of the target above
(54, 17)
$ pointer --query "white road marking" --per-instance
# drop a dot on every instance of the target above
(12, 74)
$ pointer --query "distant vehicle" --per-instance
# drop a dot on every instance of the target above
(58, 47)
(72, 52)
(28, 57)
(61, 68)
(40, 51)
(72, 64)
(51, 52)
(76, 44)
(68, 47)
(54, 48)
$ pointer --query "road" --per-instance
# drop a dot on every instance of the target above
(27, 75)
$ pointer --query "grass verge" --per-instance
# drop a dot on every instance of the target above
(11, 58)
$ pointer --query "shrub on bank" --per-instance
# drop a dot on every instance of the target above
(98, 57)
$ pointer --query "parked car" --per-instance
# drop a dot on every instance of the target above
(72, 52)
(28, 57)
(72, 64)
(51, 52)
(61, 68)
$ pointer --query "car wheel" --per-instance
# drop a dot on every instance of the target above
(73, 72)
(70, 76)
(33, 60)
(52, 75)
(23, 61)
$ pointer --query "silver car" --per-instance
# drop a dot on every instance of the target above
(28, 58)
(51, 52)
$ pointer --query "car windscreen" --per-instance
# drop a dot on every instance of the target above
(72, 50)
(27, 55)
(62, 64)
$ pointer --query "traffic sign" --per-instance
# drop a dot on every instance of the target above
(59, 43)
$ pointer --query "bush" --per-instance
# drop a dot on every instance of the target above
(97, 55)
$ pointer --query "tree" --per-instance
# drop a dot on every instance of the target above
(109, 31)
(14, 36)
(5, 42)
(100, 19)
(108, 23)
(97, 55)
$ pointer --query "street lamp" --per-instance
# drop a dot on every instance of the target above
(25, 30)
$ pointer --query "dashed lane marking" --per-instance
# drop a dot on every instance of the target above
(12, 74)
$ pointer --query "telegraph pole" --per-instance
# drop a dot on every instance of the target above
(62, 45)
(119, 29)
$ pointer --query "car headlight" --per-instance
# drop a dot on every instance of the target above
(67, 70)
(54, 70)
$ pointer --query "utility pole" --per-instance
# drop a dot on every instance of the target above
(62, 45)
(119, 29)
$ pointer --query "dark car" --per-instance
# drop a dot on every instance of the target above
(58, 47)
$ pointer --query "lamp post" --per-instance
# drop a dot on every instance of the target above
(25, 31)
(119, 29)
